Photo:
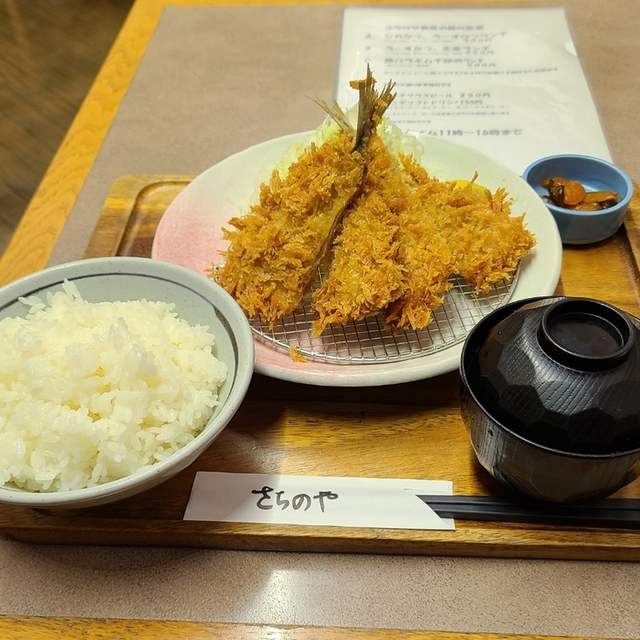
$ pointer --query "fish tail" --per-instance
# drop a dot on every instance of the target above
(371, 108)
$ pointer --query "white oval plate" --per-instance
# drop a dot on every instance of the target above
(190, 234)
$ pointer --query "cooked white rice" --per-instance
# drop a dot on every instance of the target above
(93, 392)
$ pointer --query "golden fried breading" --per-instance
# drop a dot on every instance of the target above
(485, 240)
(389, 255)
(364, 274)
(425, 258)
(274, 250)
(402, 233)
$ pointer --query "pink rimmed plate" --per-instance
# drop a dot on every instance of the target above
(190, 234)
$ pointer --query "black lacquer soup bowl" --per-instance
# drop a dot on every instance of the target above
(550, 394)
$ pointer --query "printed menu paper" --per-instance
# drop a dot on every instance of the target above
(316, 500)
(507, 82)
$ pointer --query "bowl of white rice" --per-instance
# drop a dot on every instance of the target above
(115, 374)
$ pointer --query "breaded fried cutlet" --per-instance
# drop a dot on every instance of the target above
(388, 235)
(388, 257)
(364, 274)
(485, 240)
(425, 258)
(275, 250)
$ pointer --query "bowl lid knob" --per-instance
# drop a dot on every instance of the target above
(586, 334)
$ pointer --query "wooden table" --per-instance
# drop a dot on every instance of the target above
(31, 249)
(21, 628)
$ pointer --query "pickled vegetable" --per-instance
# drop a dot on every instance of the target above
(571, 194)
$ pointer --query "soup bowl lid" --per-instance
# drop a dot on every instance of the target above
(562, 373)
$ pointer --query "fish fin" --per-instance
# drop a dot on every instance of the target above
(336, 114)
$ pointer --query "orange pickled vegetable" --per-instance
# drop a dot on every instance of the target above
(571, 194)
(601, 197)
(574, 192)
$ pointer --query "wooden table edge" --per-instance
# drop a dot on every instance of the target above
(76, 628)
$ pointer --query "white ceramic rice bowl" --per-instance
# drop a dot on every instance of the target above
(198, 300)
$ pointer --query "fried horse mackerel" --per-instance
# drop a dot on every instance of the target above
(277, 247)
(359, 208)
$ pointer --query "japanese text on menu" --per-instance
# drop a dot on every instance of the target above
(504, 81)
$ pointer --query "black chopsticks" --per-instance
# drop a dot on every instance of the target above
(610, 512)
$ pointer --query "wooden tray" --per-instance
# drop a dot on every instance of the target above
(412, 430)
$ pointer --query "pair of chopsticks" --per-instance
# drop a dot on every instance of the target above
(610, 512)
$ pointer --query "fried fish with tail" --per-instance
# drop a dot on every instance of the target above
(389, 254)
(364, 274)
(276, 248)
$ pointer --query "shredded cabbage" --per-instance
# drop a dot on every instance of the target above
(397, 141)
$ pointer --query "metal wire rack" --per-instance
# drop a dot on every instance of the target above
(367, 341)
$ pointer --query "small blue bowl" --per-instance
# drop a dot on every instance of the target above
(583, 227)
